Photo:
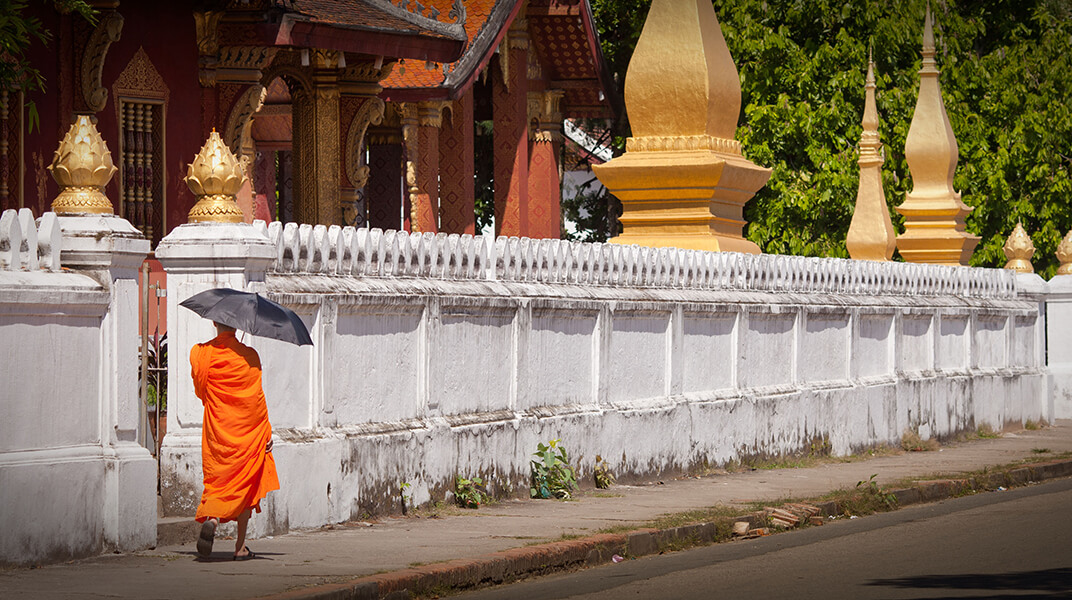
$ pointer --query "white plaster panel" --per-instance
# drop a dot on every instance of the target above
(990, 341)
(375, 367)
(52, 509)
(637, 357)
(872, 352)
(472, 361)
(560, 355)
(767, 350)
(916, 344)
(825, 348)
(953, 343)
(285, 376)
(708, 351)
(51, 390)
(1024, 338)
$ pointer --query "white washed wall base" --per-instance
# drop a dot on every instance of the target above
(422, 378)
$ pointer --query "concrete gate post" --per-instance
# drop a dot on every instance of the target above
(198, 257)
(1058, 350)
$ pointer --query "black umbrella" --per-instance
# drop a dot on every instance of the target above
(251, 313)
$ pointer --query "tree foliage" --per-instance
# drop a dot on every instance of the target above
(1005, 78)
(18, 30)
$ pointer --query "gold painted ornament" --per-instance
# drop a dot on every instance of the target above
(1018, 251)
(934, 212)
(215, 176)
(82, 166)
(871, 235)
(1064, 254)
(683, 180)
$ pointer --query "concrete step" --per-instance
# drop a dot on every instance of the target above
(172, 531)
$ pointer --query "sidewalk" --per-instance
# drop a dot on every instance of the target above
(311, 564)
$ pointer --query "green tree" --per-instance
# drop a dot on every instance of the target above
(1004, 75)
(17, 32)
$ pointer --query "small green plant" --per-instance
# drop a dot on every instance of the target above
(552, 475)
(1032, 425)
(604, 478)
(470, 493)
(986, 432)
(871, 489)
(1040, 450)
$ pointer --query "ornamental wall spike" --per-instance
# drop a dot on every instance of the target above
(1064, 254)
(215, 176)
(871, 235)
(82, 166)
(933, 210)
(1019, 250)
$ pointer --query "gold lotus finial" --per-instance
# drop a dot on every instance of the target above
(1019, 250)
(82, 166)
(215, 177)
(1064, 254)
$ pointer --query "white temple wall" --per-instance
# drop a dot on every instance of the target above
(73, 479)
(439, 356)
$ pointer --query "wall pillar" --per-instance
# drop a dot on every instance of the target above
(545, 187)
(316, 144)
(457, 190)
(509, 98)
(430, 120)
(1058, 351)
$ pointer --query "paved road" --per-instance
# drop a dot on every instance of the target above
(1012, 544)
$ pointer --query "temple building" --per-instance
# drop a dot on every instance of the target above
(353, 112)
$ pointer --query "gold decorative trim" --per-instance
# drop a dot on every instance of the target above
(218, 208)
(141, 80)
(430, 112)
(682, 143)
(208, 45)
(370, 113)
(108, 30)
(237, 134)
(243, 64)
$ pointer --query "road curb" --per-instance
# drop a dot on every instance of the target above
(527, 561)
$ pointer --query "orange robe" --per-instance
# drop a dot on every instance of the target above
(238, 472)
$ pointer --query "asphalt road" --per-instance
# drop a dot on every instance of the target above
(1011, 544)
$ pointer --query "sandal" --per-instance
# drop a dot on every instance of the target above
(204, 540)
(249, 555)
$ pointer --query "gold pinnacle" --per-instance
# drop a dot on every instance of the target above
(215, 177)
(82, 166)
(933, 210)
(1064, 254)
(1019, 250)
(871, 235)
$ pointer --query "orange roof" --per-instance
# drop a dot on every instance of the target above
(413, 74)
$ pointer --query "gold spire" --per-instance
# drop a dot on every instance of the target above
(1064, 254)
(1019, 250)
(82, 166)
(215, 177)
(683, 181)
(934, 213)
(871, 235)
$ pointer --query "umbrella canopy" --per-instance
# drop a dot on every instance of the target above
(251, 313)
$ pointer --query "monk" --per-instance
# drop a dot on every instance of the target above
(236, 441)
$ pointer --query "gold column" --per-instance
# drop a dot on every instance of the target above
(871, 235)
(82, 166)
(409, 142)
(1064, 254)
(683, 180)
(317, 141)
(934, 213)
(215, 177)
(1019, 250)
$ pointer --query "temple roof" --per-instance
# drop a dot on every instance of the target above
(374, 27)
(563, 35)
